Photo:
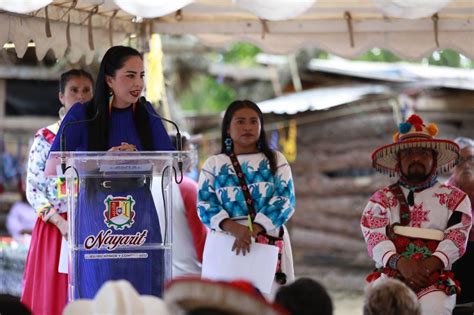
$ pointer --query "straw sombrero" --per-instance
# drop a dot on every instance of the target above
(236, 297)
(414, 133)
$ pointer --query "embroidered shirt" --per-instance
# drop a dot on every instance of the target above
(220, 195)
(471, 235)
(432, 209)
(43, 193)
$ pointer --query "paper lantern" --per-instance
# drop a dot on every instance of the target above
(275, 10)
(23, 7)
(151, 8)
(410, 9)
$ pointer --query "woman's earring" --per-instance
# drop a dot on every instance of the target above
(111, 100)
(62, 112)
(228, 144)
(259, 145)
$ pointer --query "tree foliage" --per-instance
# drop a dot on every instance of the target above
(378, 55)
(207, 94)
(449, 58)
(242, 54)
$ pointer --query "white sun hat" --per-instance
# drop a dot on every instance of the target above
(118, 298)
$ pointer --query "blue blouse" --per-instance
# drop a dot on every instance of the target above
(121, 129)
(220, 195)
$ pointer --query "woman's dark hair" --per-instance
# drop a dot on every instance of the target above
(74, 73)
(262, 140)
(208, 311)
(10, 304)
(114, 59)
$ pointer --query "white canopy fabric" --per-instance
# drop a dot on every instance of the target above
(342, 27)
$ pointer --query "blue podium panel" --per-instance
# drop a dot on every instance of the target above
(119, 225)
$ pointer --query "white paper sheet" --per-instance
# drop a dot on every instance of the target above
(63, 257)
(221, 263)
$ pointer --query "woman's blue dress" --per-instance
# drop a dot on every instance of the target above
(96, 205)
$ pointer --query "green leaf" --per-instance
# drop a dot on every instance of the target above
(207, 94)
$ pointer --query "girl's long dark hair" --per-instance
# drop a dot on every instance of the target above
(113, 60)
(262, 140)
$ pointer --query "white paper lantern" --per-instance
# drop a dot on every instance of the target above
(410, 9)
(275, 10)
(151, 8)
(23, 7)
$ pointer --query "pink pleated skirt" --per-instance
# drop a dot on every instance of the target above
(44, 288)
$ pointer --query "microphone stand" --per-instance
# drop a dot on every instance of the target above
(179, 141)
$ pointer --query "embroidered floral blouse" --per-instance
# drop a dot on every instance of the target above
(220, 195)
(45, 194)
(433, 208)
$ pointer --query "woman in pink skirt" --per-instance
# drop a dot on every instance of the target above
(44, 287)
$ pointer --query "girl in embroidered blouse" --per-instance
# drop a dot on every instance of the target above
(45, 289)
(221, 201)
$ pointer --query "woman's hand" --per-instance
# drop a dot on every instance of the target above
(60, 223)
(242, 236)
(124, 147)
(257, 229)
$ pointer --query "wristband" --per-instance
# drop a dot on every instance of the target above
(393, 260)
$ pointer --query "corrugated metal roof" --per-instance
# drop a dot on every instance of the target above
(434, 76)
(320, 99)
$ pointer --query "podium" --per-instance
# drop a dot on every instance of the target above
(120, 219)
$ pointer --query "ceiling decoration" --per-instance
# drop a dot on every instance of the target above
(410, 9)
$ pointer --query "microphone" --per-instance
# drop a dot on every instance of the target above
(179, 142)
(62, 139)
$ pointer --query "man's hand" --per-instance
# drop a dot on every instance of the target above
(415, 273)
(432, 263)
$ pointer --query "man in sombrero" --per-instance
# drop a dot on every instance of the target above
(417, 227)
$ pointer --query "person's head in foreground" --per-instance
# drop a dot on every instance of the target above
(303, 297)
(118, 298)
(389, 296)
(196, 296)
(11, 305)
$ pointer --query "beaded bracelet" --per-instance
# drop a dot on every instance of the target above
(393, 260)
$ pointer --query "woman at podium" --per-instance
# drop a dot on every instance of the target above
(119, 212)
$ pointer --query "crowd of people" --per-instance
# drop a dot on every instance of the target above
(417, 230)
